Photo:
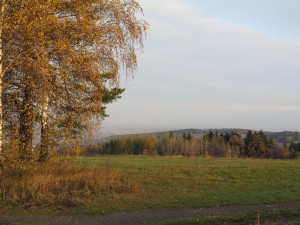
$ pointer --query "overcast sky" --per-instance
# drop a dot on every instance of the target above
(215, 64)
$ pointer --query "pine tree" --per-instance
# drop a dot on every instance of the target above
(248, 140)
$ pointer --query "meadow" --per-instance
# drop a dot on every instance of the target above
(100, 185)
(192, 182)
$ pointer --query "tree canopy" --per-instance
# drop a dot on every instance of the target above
(61, 63)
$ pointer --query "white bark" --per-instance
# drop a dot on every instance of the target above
(44, 153)
(45, 107)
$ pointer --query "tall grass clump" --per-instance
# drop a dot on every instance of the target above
(62, 184)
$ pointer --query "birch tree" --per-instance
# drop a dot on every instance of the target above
(1, 76)
(8, 54)
(71, 55)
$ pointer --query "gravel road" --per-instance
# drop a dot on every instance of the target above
(145, 217)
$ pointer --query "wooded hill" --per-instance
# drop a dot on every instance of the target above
(224, 143)
(282, 137)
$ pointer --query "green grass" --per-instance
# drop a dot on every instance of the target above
(24, 224)
(183, 182)
(287, 217)
(166, 182)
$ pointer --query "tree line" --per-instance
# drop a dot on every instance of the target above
(211, 144)
(60, 64)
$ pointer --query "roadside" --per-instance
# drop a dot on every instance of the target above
(273, 217)
(145, 217)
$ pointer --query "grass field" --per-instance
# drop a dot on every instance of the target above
(133, 183)
(183, 182)
(284, 217)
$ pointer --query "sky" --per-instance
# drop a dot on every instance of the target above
(215, 64)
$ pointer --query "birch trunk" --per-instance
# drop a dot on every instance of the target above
(2, 2)
(26, 125)
(45, 142)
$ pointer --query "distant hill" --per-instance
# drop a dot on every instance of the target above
(284, 136)
(280, 137)
(201, 132)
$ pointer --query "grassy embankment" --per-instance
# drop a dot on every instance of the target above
(286, 217)
(282, 217)
(111, 184)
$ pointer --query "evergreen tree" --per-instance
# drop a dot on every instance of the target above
(189, 137)
(210, 135)
(248, 140)
(226, 137)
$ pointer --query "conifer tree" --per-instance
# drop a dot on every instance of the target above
(248, 139)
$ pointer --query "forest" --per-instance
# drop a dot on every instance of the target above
(211, 144)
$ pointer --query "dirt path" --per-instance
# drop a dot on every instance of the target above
(148, 216)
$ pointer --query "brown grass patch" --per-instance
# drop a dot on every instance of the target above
(63, 184)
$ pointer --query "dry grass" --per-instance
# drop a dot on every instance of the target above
(60, 183)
